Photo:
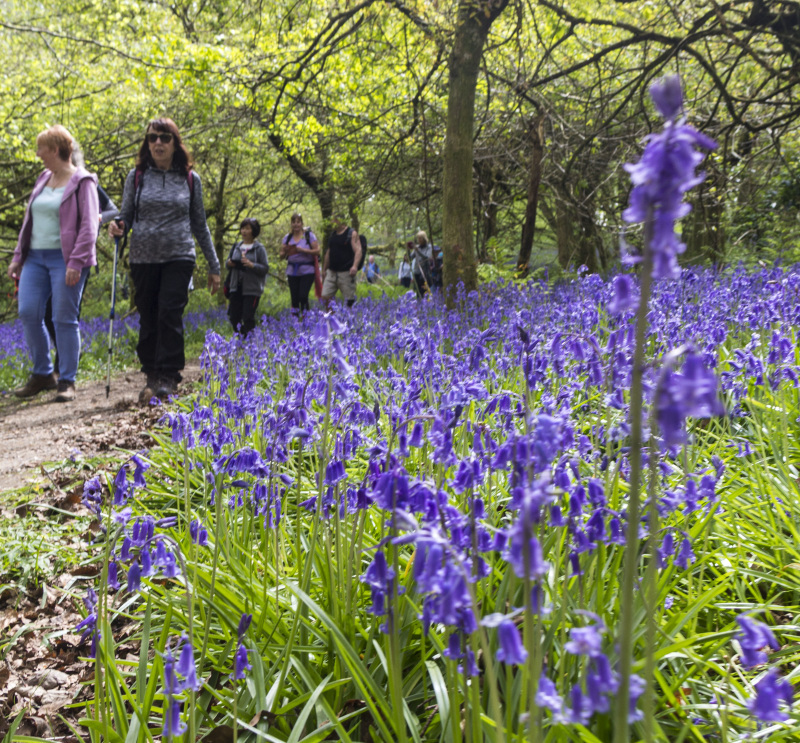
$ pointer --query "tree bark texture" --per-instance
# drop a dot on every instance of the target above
(532, 205)
(475, 18)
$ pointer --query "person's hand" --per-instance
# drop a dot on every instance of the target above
(247, 263)
(116, 230)
(13, 270)
(73, 276)
(229, 264)
(213, 282)
(353, 270)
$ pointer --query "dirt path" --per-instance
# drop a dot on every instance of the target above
(42, 659)
(36, 431)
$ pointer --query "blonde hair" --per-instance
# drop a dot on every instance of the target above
(422, 238)
(57, 138)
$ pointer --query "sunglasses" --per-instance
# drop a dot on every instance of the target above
(164, 137)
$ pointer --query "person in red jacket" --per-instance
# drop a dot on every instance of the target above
(55, 250)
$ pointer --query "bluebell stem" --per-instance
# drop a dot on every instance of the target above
(660, 179)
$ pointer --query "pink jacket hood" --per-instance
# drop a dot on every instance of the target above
(78, 219)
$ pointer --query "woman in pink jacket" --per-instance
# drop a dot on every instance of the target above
(55, 250)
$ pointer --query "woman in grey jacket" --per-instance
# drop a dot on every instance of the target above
(162, 205)
(248, 266)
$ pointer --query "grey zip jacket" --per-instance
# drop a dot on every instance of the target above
(249, 281)
(164, 216)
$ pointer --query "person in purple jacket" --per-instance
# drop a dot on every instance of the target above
(300, 248)
(55, 250)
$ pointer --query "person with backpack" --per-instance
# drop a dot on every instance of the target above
(162, 208)
(248, 266)
(372, 270)
(342, 262)
(54, 252)
(300, 248)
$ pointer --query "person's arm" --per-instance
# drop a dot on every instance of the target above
(286, 249)
(356, 245)
(126, 210)
(260, 266)
(314, 246)
(108, 209)
(326, 260)
(83, 252)
(199, 225)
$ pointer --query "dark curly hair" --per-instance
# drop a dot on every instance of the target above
(181, 159)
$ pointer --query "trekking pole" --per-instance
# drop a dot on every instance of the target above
(111, 316)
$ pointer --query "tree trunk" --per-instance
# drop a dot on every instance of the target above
(475, 18)
(532, 206)
(219, 212)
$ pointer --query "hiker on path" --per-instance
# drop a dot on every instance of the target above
(341, 262)
(108, 210)
(372, 270)
(248, 266)
(162, 207)
(55, 250)
(300, 248)
(421, 264)
(404, 272)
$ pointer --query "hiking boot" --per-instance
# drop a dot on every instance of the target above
(35, 384)
(148, 391)
(66, 391)
(166, 387)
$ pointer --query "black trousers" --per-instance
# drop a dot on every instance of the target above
(299, 288)
(242, 312)
(161, 294)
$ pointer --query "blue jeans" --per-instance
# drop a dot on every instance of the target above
(44, 274)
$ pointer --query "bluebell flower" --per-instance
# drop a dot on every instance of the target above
(636, 687)
(244, 624)
(770, 692)
(241, 663)
(660, 179)
(93, 495)
(584, 641)
(511, 650)
(753, 636)
(89, 625)
(186, 667)
(198, 533)
(624, 298)
(134, 577)
(685, 556)
(548, 697)
(140, 467)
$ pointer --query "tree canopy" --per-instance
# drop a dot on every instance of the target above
(498, 126)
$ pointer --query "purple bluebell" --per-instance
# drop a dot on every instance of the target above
(511, 650)
(685, 556)
(198, 533)
(624, 298)
(585, 641)
(770, 692)
(241, 662)
(660, 179)
(93, 495)
(753, 636)
(89, 624)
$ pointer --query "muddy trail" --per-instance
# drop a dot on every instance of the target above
(47, 451)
